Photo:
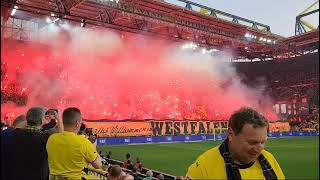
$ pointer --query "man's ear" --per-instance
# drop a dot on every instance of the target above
(230, 133)
(78, 124)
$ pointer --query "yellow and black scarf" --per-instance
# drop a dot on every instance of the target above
(232, 169)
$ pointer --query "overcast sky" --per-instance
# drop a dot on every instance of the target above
(278, 14)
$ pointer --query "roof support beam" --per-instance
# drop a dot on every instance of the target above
(69, 4)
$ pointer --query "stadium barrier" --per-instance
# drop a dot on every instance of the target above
(291, 134)
(186, 138)
(97, 173)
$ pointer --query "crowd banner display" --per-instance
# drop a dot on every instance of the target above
(279, 127)
(127, 128)
(168, 131)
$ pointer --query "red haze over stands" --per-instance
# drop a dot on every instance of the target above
(112, 76)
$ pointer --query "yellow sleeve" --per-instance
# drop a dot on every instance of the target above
(277, 169)
(195, 171)
(88, 151)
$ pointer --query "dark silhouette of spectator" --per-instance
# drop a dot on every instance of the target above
(109, 155)
(134, 174)
(138, 164)
(3, 126)
(23, 154)
(127, 163)
(19, 123)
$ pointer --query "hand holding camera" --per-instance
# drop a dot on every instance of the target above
(55, 118)
(92, 138)
(52, 113)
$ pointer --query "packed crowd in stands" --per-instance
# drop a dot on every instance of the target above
(129, 170)
(309, 122)
(298, 75)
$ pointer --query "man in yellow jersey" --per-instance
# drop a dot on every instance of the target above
(242, 154)
(69, 153)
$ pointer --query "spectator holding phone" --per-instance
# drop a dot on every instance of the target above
(50, 118)
(68, 152)
(26, 145)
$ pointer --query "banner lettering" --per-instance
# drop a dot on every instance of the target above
(107, 128)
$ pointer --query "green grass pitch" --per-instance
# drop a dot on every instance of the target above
(298, 156)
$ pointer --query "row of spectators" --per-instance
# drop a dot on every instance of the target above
(115, 172)
(134, 169)
(42, 145)
(58, 148)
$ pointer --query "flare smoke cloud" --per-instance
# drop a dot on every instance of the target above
(112, 76)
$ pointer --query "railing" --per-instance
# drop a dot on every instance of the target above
(97, 172)
(143, 172)
(103, 174)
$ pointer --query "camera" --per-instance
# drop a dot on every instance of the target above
(88, 132)
(51, 113)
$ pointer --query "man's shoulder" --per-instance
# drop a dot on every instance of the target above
(209, 154)
(270, 157)
(206, 159)
(55, 135)
(70, 137)
(267, 154)
(7, 132)
(210, 161)
(26, 134)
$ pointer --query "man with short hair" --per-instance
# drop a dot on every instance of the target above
(114, 172)
(149, 175)
(242, 154)
(20, 122)
(68, 152)
(24, 154)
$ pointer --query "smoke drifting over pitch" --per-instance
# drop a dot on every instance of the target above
(113, 76)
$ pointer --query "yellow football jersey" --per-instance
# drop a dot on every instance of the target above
(211, 165)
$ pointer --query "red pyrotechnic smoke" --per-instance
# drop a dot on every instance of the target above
(109, 77)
